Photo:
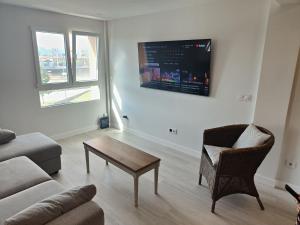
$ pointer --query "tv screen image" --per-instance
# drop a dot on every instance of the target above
(180, 66)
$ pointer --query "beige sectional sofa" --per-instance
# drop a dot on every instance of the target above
(23, 183)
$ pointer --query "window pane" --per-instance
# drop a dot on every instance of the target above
(52, 57)
(86, 58)
(67, 96)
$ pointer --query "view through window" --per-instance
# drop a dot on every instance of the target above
(86, 58)
(52, 57)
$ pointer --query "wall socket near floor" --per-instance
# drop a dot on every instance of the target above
(290, 164)
(173, 131)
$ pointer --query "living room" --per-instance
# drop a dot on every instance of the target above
(253, 79)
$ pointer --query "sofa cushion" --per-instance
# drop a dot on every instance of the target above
(47, 210)
(15, 203)
(251, 137)
(18, 174)
(36, 146)
(6, 136)
(214, 152)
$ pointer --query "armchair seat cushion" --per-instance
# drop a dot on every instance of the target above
(251, 137)
(214, 153)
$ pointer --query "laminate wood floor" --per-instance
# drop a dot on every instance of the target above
(180, 201)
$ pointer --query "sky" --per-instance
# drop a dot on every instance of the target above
(50, 40)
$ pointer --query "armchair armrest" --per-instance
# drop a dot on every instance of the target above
(223, 136)
(241, 162)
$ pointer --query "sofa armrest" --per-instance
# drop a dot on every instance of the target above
(87, 214)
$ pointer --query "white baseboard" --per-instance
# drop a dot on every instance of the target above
(73, 132)
(169, 144)
(280, 185)
(265, 180)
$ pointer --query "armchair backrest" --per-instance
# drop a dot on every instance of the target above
(224, 136)
(237, 162)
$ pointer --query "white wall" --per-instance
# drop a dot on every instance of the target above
(19, 100)
(237, 29)
(275, 86)
(255, 50)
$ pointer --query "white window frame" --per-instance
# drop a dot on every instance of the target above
(51, 86)
(74, 57)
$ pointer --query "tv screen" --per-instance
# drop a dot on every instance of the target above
(180, 66)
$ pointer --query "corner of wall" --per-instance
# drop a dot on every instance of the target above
(264, 28)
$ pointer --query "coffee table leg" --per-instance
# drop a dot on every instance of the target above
(156, 179)
(136, 190)
(107, 163)
(87, 160)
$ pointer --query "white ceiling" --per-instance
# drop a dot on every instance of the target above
(105, 9)
(288, 2)
(112, 9)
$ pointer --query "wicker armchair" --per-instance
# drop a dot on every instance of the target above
(236, 168)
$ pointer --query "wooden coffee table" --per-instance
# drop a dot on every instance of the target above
(126, 157)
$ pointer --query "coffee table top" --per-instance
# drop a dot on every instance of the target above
(130, 157)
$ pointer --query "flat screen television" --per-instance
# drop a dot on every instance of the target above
(180, 66)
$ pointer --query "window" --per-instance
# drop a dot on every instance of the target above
(61, 80)
(52, 59)
(85, 54)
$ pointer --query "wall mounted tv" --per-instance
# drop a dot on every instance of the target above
(180, 66)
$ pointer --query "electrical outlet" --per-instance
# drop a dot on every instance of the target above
(173, 131)
(290, 164)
